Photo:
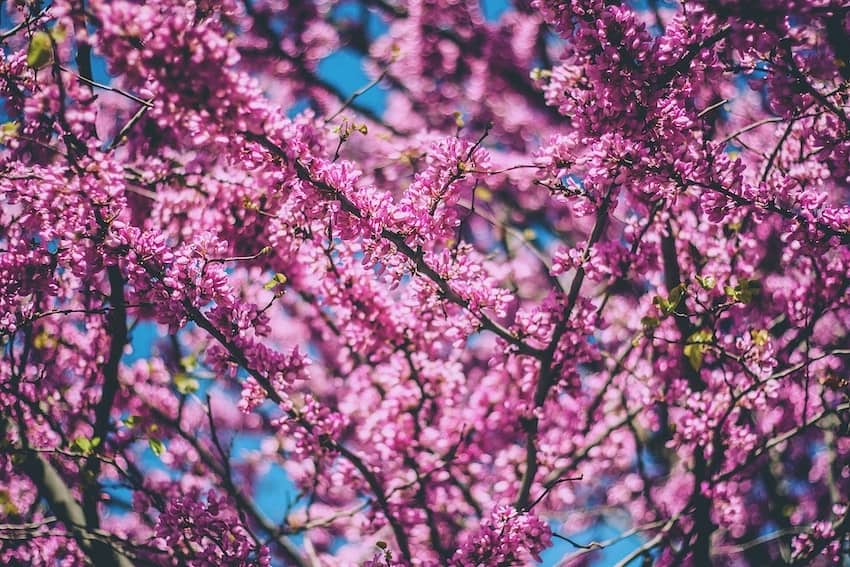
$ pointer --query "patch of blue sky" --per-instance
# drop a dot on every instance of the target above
(99, 69)
(733, 148)
(344, 70)
(376, 25)
(600, 532)
(300, 106)
(494, 9)
(640, 5)
(544, 236)
(275, 494)
(142, 339)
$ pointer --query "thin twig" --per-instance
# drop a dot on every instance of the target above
(23, 24)
(122, 92)
(353, 96)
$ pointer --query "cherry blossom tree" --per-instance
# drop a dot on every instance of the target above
(587, 264)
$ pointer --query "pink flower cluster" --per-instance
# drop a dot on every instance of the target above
(507, 537)
(586, 266)
(206, 533)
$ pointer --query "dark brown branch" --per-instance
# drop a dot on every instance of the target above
(53, 489)
(116, 325)
(548, 373)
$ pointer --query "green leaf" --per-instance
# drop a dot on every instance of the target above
(707, 283)
(760, 337)
(694, 355)
(157, 446)
(40, 52)
(676, 295)
(670, 304)
(42, 340)
(696, 346)
(458, 119)
(9, 131)
(185, 384)
(80, 445)
(744, 292)
(58, 33)
(649, 323)
(537, 74)
(84, 445)
(749, 289)
(277, 280)
(189, 362)
(130, 420)
(7, 506)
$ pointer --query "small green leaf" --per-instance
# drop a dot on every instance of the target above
(696, 346)
(42, 340)
(760, 337)
(80, 445)
(7, 506)
(130, 420)
(185, 384)
(277, 280)
(669, 305)
(189, 362)
(744, 292)
(694, 355)
(749, 289)
(676, 295)
(40, 51)
(84, 445)
(9, 131)
(58, 33)
(537, 74)
(458, 119)
(707, 283)
(649, 323)
(157, 446)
